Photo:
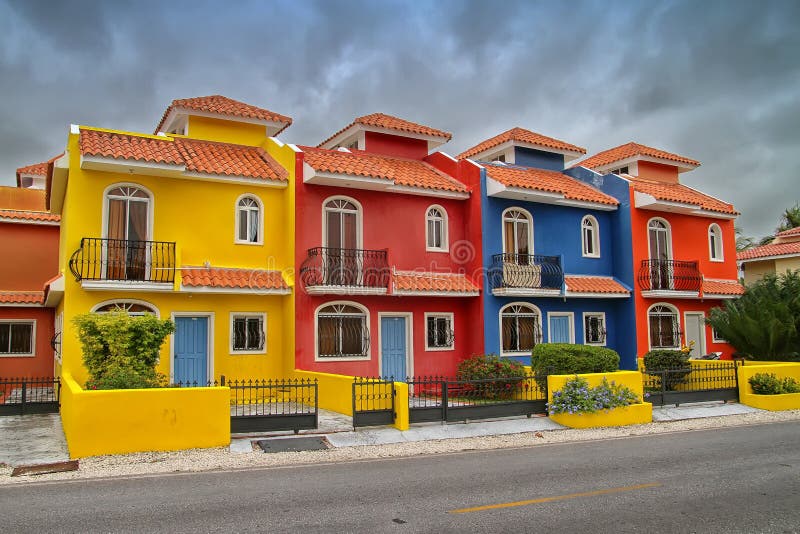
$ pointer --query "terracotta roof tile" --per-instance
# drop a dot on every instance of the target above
(630, 150)
(223, 105)
(594, 284)
(21, 297)
(400, 171)
(722, 287)
(547, 181)
(37, 169)
(524, 136)
(382, 120)
(791, 232)
(766, 251)
(681, 193)
(205, 157)
(33, 216)
(427, 282)
(218, 277)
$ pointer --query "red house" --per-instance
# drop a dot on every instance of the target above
(29, 241)
(389, 253)
(683, 247)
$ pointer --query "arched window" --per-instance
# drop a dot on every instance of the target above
(436, 229)
(520, 328)
(517, 232)
(341, 223)
(659, 239)
(342, 332)
(590, 237)
(249, 220)
(715, 243)
(127, 228)
(133, 307)
(665, 330)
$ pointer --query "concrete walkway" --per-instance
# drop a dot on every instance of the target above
(32, 440)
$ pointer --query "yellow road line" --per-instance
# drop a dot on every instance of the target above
(555, 498)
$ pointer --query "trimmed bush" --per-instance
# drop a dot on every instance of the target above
(499, 378)
(569, 359)
(674, 361)
(769, 384)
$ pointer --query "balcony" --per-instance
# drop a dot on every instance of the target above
(521, 275)
(345, 271)
(670, 278)
(121, 263)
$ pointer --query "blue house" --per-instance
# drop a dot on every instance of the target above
(550, 251)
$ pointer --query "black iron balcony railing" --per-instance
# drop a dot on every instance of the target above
(122, 259)
(669, 275)
(526, 271)
(351, 267)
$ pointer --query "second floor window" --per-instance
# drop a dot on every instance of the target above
(590, 237)
(248, 220)
(517, 232)
(436, 220)
(715, 243)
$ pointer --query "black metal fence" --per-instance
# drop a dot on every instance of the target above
(707, 382)
(670, 275)
(531, 271)
(20, 396)
(453, 399)
(123, 259)
(327, 266)
(373, 401)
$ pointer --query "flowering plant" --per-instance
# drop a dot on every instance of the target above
(687, 349)
(576, 397)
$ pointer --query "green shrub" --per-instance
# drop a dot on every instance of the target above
(121, 351)
(769, 384)
(577, 397)
(500, 378)
(568, 359)
(674, 364)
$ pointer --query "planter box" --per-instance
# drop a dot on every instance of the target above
(635, 414)
(774, 403)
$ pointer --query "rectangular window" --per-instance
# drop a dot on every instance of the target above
(248, 333)
(594, 328)
(16, 338)
(717, 337)
(439, 331)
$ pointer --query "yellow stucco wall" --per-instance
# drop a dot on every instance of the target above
(755, 270)
(240, 133)
(789, 401)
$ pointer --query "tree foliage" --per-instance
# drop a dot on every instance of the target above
(120, 351)
(764, 324)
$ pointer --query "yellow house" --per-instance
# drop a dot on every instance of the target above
(782, 255)
(194, 223)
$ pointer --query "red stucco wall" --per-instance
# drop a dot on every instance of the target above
(31, 256)
(41, 365)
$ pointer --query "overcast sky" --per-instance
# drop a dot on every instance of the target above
(715, 81)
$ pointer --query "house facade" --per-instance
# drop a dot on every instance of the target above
(779, 256)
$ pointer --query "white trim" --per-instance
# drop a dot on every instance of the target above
(260, 240)
(669, 294)
(9, 220)
(409, 317)
(370, 183)
(678, 321)
(131, 166)
(605, 327)
(359, 212)
(177, 113)
(525, 292)
(768, 258)
(570, 316)
(58, 331)
(445, 229)
(701, 350)
(497, 189)
(451, 317)
(535, 309)
(424, 192)
(32, 322)
(150, 207)
(650, 202)
(668, 228)
(680, 165)
(714, 338)
(233, 315)
(407, 293)
(125, 285)
(55, 293)
(527, 215)
(234, 290)
(209, 347)
(511, 143)
(719, 296)
(573, 294)
(316, 331)
(715, 255)
(21, 305)
(358, 129)
(263, 182)
(130, 301)
(346, 290)
(595, 236)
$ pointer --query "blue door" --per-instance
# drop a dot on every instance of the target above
(393, 347)
(560, 329)
(191, 350)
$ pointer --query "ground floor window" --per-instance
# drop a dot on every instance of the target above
(132, 307)
(342, 332)
(664, 327)
(594, 328)
(248, 332)
(439, 333)
(16, 338)
(717, 337)
(520, 328)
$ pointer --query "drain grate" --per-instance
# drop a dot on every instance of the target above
(293, 444)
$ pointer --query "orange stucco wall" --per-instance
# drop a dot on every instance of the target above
(30, 256)
(656, 171)
(16, 198)
(41, 364)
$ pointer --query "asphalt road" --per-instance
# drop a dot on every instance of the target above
(744, 479)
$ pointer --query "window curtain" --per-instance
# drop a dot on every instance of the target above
(137, 265)
(115, 250)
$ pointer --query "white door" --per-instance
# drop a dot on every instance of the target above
(696, 331)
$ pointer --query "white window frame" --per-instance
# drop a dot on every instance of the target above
(602, 316)
(367, 323)
(444, 222)
(529, 217)
(595, 236)
(359, 212)
(123, 303)
(237, 224)
(231, 336)
(678, 335)
(58, 335)
(450, 317)
(570, 316)
(668, 232)
(150, 206)
(534, 310)
(715, 254)
(715, 336)
(32, 352)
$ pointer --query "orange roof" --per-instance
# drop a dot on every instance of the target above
(427, 282)
(206, 157)
(681, 193)
(382, 120)
(767, 251)
(401, 171)
(33, 216)
(21, 297)
(524, 136)
(223, 105)
(791, 232)
(37, 169)
(594, 284)
(722, 287)
(219, 277)
(547, 181)
(630, 150)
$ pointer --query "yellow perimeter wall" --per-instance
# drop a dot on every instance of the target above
(124, 421)
(790, 401)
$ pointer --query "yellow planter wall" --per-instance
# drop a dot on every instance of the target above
(124, 421)
(335, 391)
(790, 401)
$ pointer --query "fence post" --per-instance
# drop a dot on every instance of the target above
(401, 411)
(445, 402)
(24, 395)
(353, 397)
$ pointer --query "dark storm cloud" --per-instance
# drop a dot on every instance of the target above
(715, 81)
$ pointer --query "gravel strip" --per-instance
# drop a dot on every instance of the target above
(222, 459)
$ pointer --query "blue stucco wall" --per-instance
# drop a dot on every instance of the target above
(529, 157)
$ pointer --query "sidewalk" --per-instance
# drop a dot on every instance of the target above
(32, 440)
